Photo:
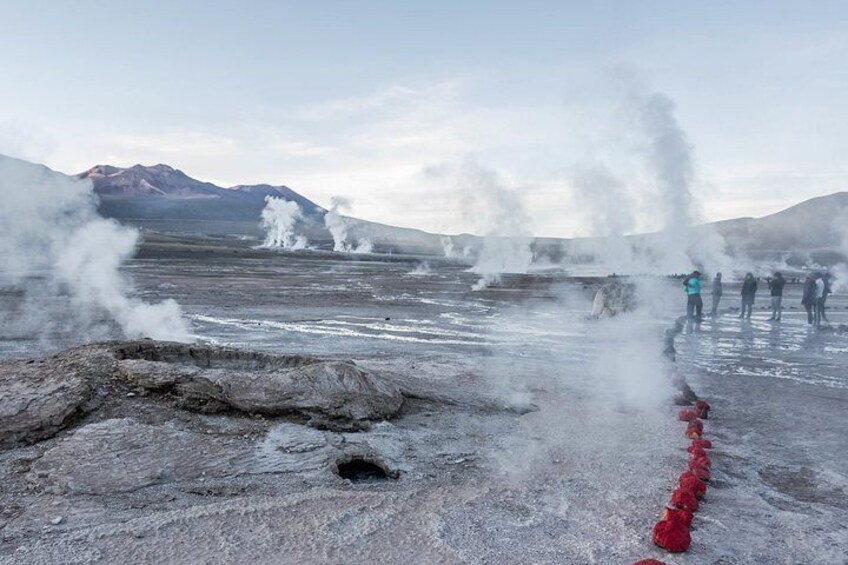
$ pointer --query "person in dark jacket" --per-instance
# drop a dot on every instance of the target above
(716, 293)
(808, 297)
(749, 290)
(776, 287)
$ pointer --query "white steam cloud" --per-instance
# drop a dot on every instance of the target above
(338, 226)
(54, 244)
(421, 269)
(610, 208)
(840, 271)
(498, 212)
(450, 250)
(279, 218)
(614, 206)
(670, 160)
(622, 376)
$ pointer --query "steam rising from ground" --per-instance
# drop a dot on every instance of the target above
(840, 272)
(610, 208)
(57, 249)
(613, 204)
(498, 212)
(603, 376)
(450, 250)
(338, 226)
(421, 269)
(279, 218)
(670, 160)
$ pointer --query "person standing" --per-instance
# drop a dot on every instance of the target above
(749, 290)
(694, 304)
(716, 293)
(776, 287)
(820, 298)
(808, 297)
(827, 278)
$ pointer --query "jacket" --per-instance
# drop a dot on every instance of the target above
(808, 297)
(693, 286)
(717, 288)
(776, 286)
(749, 287)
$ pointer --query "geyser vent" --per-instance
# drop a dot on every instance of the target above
(363, 470)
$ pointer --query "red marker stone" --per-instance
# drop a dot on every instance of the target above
(694, 485)
(678, 514)
(672, 536)
(684, 499)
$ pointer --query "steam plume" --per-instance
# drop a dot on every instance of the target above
(450, 250)
(337, 225)
(610, 208)
(53, 240)
(279, 218)
(840, 225)
(670, 160)
(499, 213)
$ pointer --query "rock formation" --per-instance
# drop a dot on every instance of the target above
(613, 298)
(41, 397)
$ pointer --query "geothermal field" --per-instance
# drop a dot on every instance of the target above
(495, 426)
(473, 345)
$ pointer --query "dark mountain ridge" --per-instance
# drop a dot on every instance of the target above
(160, 192)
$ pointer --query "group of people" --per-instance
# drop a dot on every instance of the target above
(814, 297)
(817, 287)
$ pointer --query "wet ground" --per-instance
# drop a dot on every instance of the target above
(580, 480)
(780, 395)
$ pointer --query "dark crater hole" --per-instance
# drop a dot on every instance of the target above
(362, 470)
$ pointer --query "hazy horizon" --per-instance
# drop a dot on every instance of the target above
(367, 102)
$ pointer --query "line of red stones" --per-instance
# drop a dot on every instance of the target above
(672, 531)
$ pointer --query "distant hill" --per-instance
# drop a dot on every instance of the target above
(809, 225)
(160, 192)
(805, 230)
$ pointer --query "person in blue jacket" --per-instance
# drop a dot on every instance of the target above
(694, 304)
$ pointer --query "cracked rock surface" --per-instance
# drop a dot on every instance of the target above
(41, 397)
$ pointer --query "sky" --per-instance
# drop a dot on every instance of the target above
(366, 99)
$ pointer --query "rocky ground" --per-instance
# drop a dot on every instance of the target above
(385, 416)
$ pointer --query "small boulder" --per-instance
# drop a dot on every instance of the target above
(702, 473)
(694, 485)
(702, 443)
(687, 415)
(678, 515)
(684, 499)
(672, 536)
